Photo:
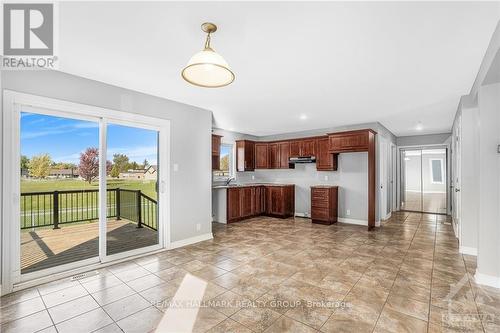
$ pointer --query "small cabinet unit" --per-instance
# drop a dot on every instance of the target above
(325, 160)
(245, 155)
(216, 141)
(324, 204)
(274, 156)
(284, 155)
(261, 156)
(253, 200)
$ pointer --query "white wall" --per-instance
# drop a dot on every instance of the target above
(468, 184)
(422, 140)
(190, 137)
(488, 261)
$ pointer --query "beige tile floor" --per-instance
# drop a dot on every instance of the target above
(272, 275)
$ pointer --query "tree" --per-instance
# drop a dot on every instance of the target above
(145, 164)
(224, 163)
(39, 166)
(121, 162)
(63, 165)
(115, 173)
(88, 168)
(133, 165)
(24, 162)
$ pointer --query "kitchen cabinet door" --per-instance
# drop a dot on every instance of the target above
(274, 198)
(274, 158)
(261, 156)
(247, 195)
(325, 161)
(284, 155)
(295, 148)
(233, 204)
(308, 147)
(245, 155)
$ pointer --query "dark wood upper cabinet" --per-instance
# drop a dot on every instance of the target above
(284, 155)
(295, 148)
(308, 147)
(274, 156)
(261, 156)
(325, 160)
(303, 147)
(216, 141)
(245, 155)
(352, 141)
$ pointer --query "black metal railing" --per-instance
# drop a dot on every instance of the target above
(42, 209)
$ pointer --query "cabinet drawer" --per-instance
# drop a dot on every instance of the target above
(320, 203)
(320, 213)
(320, 192)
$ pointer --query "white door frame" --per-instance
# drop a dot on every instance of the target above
(12, 102)
(383, 178)
(394, 167)
(423, 147)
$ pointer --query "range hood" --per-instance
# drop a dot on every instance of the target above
(302, 159)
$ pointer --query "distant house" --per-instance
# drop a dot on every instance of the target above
(63, 173)
(151, 173)
(133, 174)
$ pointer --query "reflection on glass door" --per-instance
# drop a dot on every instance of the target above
(132, 188)
(59, 211)
(423, 180)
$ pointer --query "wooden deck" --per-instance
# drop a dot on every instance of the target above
(46, 247)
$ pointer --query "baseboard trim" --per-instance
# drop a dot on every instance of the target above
(487, 280)
(356, 221)
(472, 251)
(388, 216)
(191, 240)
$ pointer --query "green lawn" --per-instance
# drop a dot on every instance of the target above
(31, 185)
(36, 210)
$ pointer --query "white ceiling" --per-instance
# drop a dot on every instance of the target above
(337, 63)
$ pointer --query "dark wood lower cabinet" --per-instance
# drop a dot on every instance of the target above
(324, 204)
(248, 201)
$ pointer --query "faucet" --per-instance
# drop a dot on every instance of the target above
(229, 180)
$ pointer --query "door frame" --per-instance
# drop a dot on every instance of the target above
(445, 146)
(12, 102)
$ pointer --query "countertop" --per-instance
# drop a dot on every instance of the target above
(250, 185)
(323, 186)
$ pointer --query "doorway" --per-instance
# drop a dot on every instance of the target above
(89, 186)
(423, 180)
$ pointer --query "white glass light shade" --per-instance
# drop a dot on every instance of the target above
(208, 69)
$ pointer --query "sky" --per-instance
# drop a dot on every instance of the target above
(64, 139)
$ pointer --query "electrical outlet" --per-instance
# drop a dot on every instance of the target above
(198, 227)
(253, 177)
(348, 212)
(326, 178)
(176, 167)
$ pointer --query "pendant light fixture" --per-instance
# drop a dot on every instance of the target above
(207, 68)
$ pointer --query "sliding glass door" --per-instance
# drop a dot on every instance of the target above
(59, 198)
(132, 188)
(76, 207)
(423, 180)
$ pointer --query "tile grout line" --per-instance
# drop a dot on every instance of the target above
(399, 270)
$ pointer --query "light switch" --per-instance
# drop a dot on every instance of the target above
(176, 167)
